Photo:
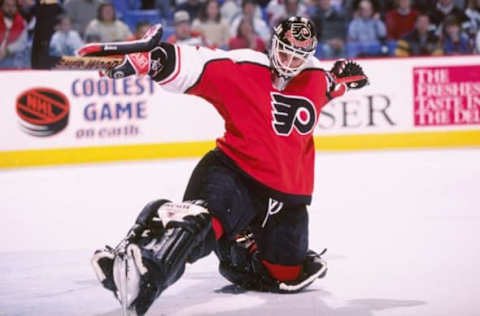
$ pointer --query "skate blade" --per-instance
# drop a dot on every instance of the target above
(126, 278)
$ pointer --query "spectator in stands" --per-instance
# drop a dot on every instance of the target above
(366, 32)
(107, 25)
(427, 5)
(230, 9)
(140, 29)
(13, 34)
(210, 23)
(184, 33)
(401, 20)
(25, 8)
(288, 9)
(272, 8)
(311, 7)
(65, 41)
(337, 5)
(331, 25)
(92, 38)
(454, 40)
(384, 6)
(81, 12)
(444, 8)
(45, 13)
(351, 7)
(422, 41)
(259, 26)
(473, 14)
(246, 38)
(192, 7)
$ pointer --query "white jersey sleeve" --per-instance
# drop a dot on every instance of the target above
(188, 63)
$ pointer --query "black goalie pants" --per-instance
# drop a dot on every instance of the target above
(240, 203)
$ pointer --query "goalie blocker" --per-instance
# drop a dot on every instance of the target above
(165, 237)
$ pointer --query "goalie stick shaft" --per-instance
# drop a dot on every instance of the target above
(105, 63)
(115, 48)
(87, 63)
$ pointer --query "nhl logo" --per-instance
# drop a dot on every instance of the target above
(42, 111)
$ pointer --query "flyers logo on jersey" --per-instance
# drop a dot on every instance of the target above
(291, 112)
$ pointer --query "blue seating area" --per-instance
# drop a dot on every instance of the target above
(129, 12)
(133, 17)
(122, 6)
(167, 32)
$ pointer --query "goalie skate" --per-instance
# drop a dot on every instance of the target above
(314, 267)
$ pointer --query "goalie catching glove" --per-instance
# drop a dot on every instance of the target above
(350, 73)
(345, 74)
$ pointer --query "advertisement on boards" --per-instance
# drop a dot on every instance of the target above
(446, 96)
(406, 99)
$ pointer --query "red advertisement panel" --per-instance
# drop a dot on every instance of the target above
(446, 95)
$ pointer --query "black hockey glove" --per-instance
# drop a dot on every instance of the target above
(350, 73)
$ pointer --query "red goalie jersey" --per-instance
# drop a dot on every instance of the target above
(268, 133)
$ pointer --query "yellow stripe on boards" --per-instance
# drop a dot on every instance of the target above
(398, 140)
(61, 156)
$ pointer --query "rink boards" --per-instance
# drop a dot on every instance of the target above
(396, 223)
(67, 117)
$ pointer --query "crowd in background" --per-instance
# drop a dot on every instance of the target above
(33, 32)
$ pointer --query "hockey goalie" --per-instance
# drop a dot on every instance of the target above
(247, 199)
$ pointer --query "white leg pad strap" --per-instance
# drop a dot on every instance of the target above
(96, 267)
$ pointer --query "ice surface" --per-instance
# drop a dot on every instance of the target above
(402, 229)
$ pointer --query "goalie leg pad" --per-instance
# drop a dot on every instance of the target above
(251, 273)
(159, 258)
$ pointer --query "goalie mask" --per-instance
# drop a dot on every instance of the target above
(293, 42)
